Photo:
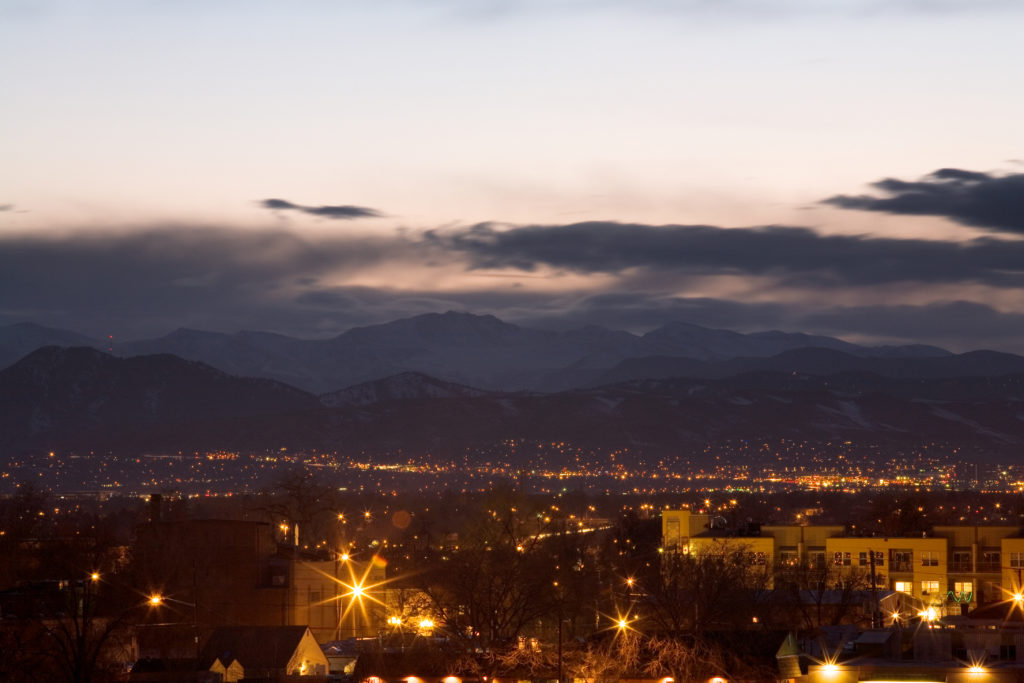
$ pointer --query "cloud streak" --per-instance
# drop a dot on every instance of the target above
(970, 198)
(338, 212)
(625, 276)
(798, 256)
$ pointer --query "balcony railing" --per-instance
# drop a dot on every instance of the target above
(992, 567)
(964, 566)
(902, 567)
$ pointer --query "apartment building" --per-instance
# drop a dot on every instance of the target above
(951, 568)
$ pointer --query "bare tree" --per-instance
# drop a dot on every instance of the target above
(712, 588)
(813, 595)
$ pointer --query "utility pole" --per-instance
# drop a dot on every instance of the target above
(876, 612)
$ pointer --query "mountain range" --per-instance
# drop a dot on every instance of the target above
(658, 404)
(482, 351)
(84, 399)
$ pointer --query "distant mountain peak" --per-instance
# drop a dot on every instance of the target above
(403, 386)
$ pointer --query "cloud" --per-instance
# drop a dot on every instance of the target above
(942, 322)
(968, 197)
(731, 9)
(149, 282)
(793, 255)
(342, 212)
(160, 278)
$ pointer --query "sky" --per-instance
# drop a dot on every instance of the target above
(843, 167)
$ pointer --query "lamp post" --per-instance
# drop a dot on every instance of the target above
(157, 600)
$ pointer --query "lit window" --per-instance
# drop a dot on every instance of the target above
(903, 587)
(841, 559)
(929, 587)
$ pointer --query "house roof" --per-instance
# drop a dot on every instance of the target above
(255, 647)
(1006, 611)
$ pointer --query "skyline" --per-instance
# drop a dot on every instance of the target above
(851, 170)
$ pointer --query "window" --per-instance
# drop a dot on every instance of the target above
(903, 587)
(817, 558)
(901, 560)
(1017, 560)
(789, 558)
(865, 561)
(929, 558)
(929, 587)
(963, 587)
(841, 559)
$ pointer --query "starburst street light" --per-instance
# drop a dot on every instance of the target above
(156, 600)
(356, 592)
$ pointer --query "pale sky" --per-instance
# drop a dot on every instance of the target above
(126, 127)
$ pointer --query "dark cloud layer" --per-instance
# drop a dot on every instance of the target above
(796, 255)
(148, 282)
(968, 197)
(341, 212)
(162, 278)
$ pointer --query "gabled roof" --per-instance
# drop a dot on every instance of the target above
(789, 647)
(255, 647)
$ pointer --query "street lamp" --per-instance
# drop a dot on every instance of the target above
(158, 600)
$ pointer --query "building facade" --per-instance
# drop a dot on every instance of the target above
(950, 568)
(214, 573)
